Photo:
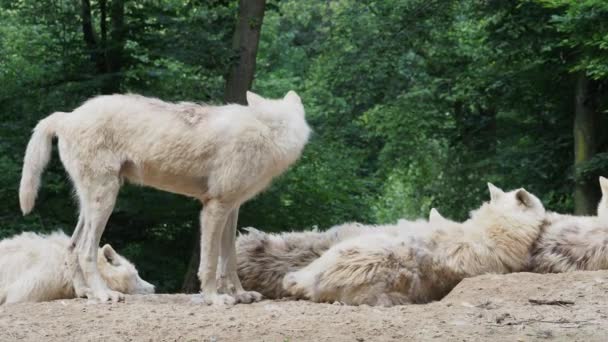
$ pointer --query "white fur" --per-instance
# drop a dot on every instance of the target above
(33, 268)
(571, 243)
(222, 156)
(385, 269)
(264, 259)
(602, 208)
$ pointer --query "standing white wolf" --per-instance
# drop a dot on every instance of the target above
(380, 269)
(220, 155)
(33, 269)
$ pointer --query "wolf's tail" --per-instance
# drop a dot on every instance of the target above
(2, 296)
(264, 259)
(37, 155)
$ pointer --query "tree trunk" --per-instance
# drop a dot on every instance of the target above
(106, 53)
(117, 35)
(103, 28)
(191, 283)
(245, 46)
(89, 37)
(586, 119)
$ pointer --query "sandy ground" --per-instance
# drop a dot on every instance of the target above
(487, 308)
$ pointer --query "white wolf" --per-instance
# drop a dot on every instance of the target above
(33, 269)
(264, 259)
(380, 269)
(220, 155)
(570, 243)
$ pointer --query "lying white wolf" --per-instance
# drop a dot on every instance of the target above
(263, 259)
(567, 242)
(571, 243)
(380, 269)
(33, 269)
(220, 155)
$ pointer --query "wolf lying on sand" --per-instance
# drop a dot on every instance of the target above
(263, 259)
(573, 243)
(411, 262)
(220, 155)
(33, 269)
(379, 269)
(567, 242)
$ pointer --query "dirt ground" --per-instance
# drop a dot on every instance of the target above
(515, 307)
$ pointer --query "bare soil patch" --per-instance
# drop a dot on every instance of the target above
(514, 307)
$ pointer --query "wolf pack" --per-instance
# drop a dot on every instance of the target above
(225, 155)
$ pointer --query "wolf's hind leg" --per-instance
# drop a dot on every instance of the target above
(77, 231)
(80, 287)
(99, 196)
(366, 270)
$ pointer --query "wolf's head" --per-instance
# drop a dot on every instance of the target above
(285, 118)
(511, 222)
(517, 202)
(120, 274)
(602, 208)
(291, 104)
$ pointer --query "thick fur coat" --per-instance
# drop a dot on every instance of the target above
(380, 269)
(220, 155)
(573, 243)
(33, 269)
(264, 258)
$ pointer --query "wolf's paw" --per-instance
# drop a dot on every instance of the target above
(225, 287)
(218, 299)
(104, 296)
(247, 297)
(83, 292)
(291, 284)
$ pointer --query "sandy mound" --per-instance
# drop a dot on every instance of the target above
(515, 307)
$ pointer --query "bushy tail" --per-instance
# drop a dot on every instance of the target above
(264, 259)
(37, 156)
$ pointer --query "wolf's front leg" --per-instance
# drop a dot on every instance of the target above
(213, 220)
(228, 277)
(362, 270)
(304, 283)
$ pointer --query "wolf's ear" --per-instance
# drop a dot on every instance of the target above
(254, 99)
(524, 197)
(604, 185)
(434, 215)
(292, 97)
(109, 254)
(495, 192)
